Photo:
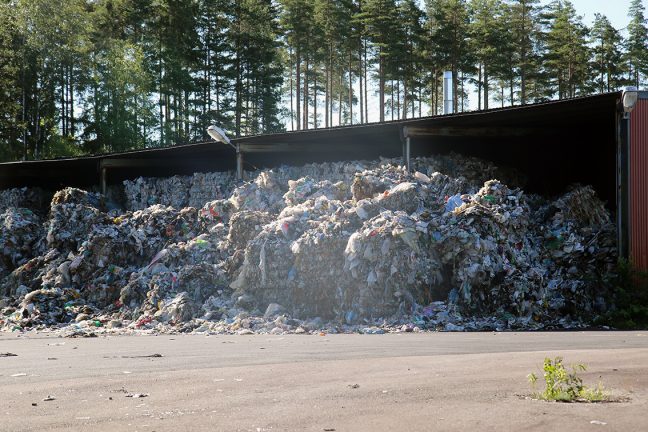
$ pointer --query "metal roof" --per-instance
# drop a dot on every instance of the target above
(492, 132)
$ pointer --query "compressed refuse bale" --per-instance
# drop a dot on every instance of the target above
(317, 273)
(403, 196)
(306, 188)
(579, 252)
(177, 309)
(479, 239)
(73, 213)
(264, 193)
(35, 199)
(391, 264)
(207, 187)
(215, 212)
(21, 236)
(72, 195)
(245, 225)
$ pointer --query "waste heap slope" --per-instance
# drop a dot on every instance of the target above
(347, 246)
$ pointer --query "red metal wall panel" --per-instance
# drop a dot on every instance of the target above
(639, 185)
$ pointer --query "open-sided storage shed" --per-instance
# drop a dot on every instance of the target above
(555, 144)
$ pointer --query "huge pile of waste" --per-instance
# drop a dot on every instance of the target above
(348, 246)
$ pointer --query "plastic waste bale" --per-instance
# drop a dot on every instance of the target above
(206, 187)
(21, 233)
(45, 306)
(178, 309)
(267, 272)
(194, 266)
(73, 214)
(472, 171)
(215, 212)
(178, 191)
(579, 252)
(402, 197)
(391, 266)
(479, 242)
(34, 199)
(72, 195)
(264, 193)
(367, 185)
(33, 274)
(307, 188)
(114, 251)
(195, 283)
(245, 225)
(317, 274)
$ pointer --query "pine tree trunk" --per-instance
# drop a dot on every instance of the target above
(486, 87)
(298, 88)
(479, 87)
(340, 99)
(327, 92)
(362, 118)
(405, 98)
(398, 99)
(292, 96)
(350, 90)
(315, 101)
(381, 89)
(71, 91)
(306, 78)
(366, 90)
(391, 98)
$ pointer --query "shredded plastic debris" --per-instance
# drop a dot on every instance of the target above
(361, 246)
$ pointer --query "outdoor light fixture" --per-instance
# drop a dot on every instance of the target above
(629, 100)
(219, 135)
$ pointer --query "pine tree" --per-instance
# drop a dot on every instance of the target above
(637, 43)
(523, 25)
(11, 121)
(607, 62)
(489, 40)
(449, 21)
(297, 22)
(380, 21)
(567, 54)
(411, 18)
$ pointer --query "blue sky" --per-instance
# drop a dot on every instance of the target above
(615, 10)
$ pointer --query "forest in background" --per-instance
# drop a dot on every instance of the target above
(92, 76)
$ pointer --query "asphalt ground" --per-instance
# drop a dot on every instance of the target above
(392, 382)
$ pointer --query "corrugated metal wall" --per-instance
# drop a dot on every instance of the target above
(639, 185)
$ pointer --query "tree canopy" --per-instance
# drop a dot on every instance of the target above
(91, 76)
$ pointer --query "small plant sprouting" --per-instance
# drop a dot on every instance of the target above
(563, 386)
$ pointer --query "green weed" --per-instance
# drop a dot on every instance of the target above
(564, 386)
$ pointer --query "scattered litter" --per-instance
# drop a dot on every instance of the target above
(145, 356)
(598, 422)
(49, 398)
(8, 354)
(137, 395)
(21, 374)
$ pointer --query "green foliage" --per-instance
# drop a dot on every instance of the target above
(629, 299)
(564, 386)
(636, 48)
(96, 76)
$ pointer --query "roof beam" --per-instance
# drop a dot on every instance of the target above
(450, 131)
